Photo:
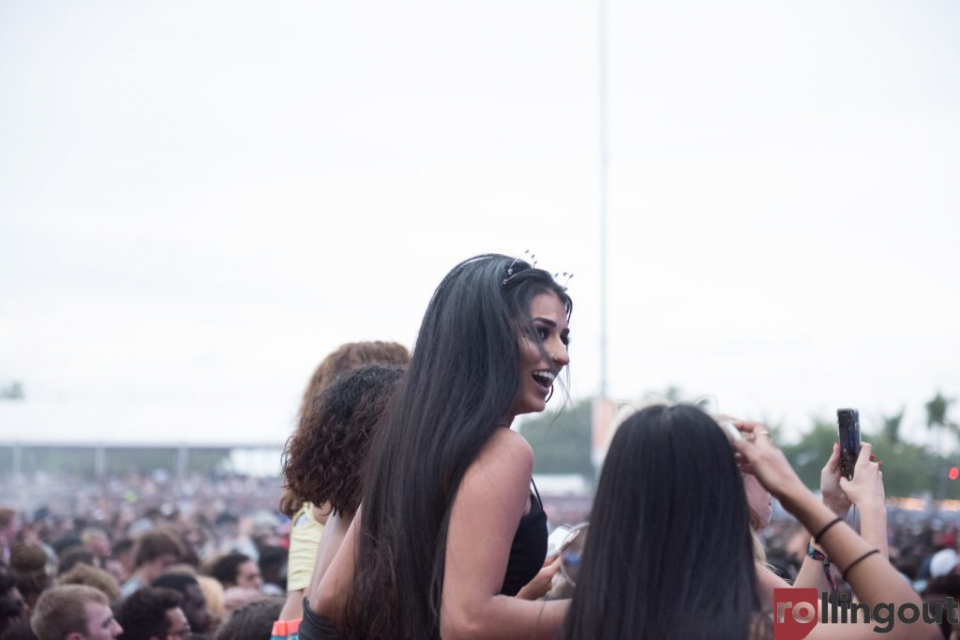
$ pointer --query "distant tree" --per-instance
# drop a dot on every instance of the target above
(561, 439)
(937, 409)
(812, 451)
(13, 391)
(891, 426)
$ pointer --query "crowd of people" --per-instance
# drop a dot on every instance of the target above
(408, 510)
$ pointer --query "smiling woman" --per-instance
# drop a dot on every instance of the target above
(460, 550)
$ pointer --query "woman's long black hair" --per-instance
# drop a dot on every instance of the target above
(462, 381)
(668, 552)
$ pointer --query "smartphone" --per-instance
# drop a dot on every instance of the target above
(848, 421)
(556, 540)
(561, 538)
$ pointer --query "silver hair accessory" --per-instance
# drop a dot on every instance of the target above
(527, 257)
(566, 282)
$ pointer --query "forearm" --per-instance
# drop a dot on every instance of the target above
(873, 526)
(812, 576)
(292, 606)
(873, 579)
(504, 618)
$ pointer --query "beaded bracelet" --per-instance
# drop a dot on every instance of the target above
(858, 561)
(826, 527)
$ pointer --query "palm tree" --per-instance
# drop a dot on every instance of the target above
(937, 410)
(891, 426)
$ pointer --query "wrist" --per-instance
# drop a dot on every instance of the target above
(839, 508)
(872, 506)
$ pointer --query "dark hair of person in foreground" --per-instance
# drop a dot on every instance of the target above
(669, 553)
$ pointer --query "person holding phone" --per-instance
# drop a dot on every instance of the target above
(669, 553)
(450, 527)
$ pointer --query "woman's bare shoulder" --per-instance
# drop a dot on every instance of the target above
(505, 465)
(507, 446)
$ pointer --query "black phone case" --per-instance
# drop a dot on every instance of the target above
(849, 437)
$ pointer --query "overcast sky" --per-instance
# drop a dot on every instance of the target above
(199, 200)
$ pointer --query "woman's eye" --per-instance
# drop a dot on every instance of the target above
(542, 333)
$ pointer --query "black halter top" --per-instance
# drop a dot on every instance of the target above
(529, 548)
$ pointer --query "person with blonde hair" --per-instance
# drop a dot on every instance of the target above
(74, 612)
(91, 576)
(215, 599)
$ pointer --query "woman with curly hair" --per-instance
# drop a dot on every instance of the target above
(324, 464)
(309, 517)
(451, 527)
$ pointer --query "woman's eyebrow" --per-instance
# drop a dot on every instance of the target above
(547, 321)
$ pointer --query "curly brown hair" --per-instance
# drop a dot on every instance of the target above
(323, 460)
(350, 356)
(345, 357)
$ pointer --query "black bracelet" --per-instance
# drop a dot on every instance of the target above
(858, 561)
(826, 527)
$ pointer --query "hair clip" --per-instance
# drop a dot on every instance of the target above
(529, 258)
(568, 277)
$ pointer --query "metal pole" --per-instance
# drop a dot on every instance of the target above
(603, 193)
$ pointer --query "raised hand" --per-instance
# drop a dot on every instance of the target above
(833, 495)
(759, 455)
(866, 487)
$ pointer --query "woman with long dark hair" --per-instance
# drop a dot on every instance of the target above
(669, 553)
(450, 527)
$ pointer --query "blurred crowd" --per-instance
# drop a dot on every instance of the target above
(220, 544)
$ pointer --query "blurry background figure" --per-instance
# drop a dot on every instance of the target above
(214, 598)
(233, 539)
(13, 608)
(74, 611)
(28, 564)
(237, 570)
(194, 605)
(120, 562)
(153, 552)
(253, 621)
(92, 577)
(153, 613)
(938, 590)
(8, 530)
(74, 555)
(273, 570)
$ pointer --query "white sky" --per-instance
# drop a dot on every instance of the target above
(199, 200)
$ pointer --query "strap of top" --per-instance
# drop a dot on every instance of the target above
(536, 493)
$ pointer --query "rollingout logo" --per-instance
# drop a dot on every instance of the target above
(797, 611)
